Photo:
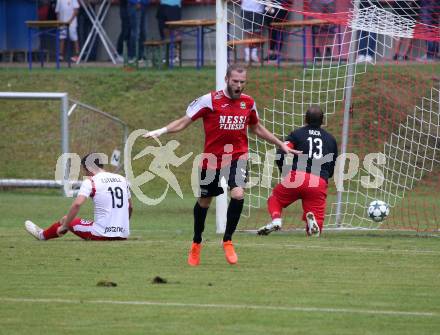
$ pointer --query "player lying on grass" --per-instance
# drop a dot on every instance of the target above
(112, 207)
(227, 116)
(308, 176)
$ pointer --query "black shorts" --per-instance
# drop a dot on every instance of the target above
(252, 22)
(235, 174)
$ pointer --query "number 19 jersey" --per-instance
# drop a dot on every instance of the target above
(110, 193)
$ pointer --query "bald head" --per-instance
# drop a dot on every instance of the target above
(314, 116)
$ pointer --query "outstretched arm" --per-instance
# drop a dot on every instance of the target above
(173, 127)
(259, 130)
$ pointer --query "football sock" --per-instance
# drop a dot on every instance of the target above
(51, 232)
(234, 211)
(274, 207)
(199, 222)
(277, 222)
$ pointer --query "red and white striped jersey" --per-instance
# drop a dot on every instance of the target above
(225, 121)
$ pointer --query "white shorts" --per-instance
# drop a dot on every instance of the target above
(73, 32)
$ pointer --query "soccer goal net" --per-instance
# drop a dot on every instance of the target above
(37, 128)
(375, 62)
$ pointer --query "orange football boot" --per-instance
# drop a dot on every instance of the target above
(194, 254)
(230, 254)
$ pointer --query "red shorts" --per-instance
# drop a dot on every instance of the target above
(311, 189)
(83, 229)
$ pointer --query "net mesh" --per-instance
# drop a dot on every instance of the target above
(31, 142)
(91, 131)
(314, 52)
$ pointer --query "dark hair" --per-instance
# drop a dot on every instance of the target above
(314, 116)
(235, 67)
(91, 161)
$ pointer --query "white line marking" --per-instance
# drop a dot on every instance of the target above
(301, 245)
(223, 306)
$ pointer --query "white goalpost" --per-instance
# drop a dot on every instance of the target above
(221, 202)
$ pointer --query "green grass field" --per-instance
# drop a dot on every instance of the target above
(341, 283)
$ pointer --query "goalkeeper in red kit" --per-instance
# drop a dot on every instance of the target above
(227, 115)
(307, 177)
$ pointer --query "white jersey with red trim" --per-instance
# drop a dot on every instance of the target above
(110, 193)
(225, 121)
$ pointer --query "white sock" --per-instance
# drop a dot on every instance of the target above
(277, 222)
(41, 235)
(254, 52)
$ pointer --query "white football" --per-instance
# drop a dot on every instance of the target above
(378, 210)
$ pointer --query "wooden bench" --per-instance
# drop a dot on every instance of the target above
(154, 48)
(246, 42)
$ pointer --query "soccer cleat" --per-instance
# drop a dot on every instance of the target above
(230, 255)
(267, 229)
(312, 225)
(33, 229)
(194, 254)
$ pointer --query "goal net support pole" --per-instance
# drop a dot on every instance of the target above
(221, 53)
(346, 120)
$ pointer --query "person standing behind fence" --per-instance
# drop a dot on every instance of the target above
(324, 34)
(252, 14)
(136, 13)
(406, 11)
(271, 15)
(124, 35)
(367, 39)
(169, 10)
(67, 11)
(430, 15)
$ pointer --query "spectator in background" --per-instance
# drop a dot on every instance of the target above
(252, 14)
(367, 40)
(67, 11)
(407, 10)
(46, 11)
(430, 15)
(124, 35)
(136, 13)
(169, 10)
(52, 15)
(276, 35)
(84, 28)
(43, 10)
(324, 33)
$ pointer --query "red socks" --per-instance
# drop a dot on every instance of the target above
(274, 207)
(51, 232)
